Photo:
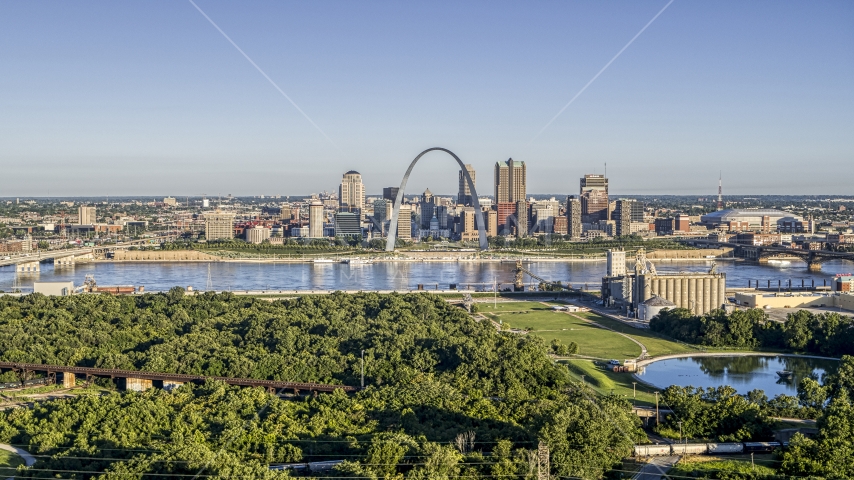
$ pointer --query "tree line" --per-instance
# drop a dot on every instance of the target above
(827, 334)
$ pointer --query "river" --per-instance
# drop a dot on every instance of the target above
(385, 275)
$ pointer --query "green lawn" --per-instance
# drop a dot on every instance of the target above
(540, 320)
(655, 344)
(8, 462)
(605, 381)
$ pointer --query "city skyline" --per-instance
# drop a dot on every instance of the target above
(119, 99)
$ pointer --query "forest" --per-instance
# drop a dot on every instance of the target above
(446, 396)
(828, 334)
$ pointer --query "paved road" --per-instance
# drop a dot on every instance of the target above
(656, 468)
(29, 460)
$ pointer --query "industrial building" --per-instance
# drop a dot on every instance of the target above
(695, 291)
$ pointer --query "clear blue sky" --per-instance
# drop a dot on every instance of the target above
(135, 98)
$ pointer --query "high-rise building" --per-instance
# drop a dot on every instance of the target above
(315, 219)
(506, 222)
(404, 223)
(464, 196)
(469, 231)
(428, 208)
(594, 198)
(626, 212)
(390, 194)
(491, 218)
(351, 192)
(171, 201)
(510, 181)
(86, 215)
(219, 225)
(382, 210)
(521, 218)
(573, 217)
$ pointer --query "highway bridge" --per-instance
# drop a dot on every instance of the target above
(138, 380)
(763, 253)
(29, 262)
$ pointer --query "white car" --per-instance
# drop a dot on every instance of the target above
(614, 362)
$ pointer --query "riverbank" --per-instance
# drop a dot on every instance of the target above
(647, 361)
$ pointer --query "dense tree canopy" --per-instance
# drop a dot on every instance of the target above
(827, 334)
(446, 395)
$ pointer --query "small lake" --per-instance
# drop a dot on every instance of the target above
(742, 373)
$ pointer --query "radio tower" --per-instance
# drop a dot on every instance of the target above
(720, 192)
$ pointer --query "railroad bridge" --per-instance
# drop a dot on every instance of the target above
(139, 381)
(763, 253)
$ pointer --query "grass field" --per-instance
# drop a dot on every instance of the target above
(540, 320)
(697, 466)
(655, 344)
(8, 462)
(606, 381)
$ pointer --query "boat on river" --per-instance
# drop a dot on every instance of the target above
(785, 374)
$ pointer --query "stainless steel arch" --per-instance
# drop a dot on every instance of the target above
(392, 228)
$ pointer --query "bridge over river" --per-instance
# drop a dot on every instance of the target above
(764, 253)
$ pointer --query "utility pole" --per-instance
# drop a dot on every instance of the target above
(680, 430)
(634, 393)
(363, 369)
(543, 461)
(495, 289)
(657, 416)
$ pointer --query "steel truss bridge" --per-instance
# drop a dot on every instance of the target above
(24, 370)
(762, 253)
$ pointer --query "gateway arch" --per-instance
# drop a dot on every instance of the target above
(392, 229)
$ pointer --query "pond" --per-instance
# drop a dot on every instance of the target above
(744, 373)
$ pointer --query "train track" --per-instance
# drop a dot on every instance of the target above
(173, 377)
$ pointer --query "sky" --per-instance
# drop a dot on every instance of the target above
(149, 98)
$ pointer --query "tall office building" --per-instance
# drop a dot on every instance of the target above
(510, 181)
(382, 210)
(491, 218)
(315, 219)
(510, 188)
(468, 230)
(428, 208)
(626, 212)
(521, 218)
(573, 217)
(464, 196)
(86, 215)
(351, 192)
(404, 223)
(390, 194)
(219, 225)
(594, 198)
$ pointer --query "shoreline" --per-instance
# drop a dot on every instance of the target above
(648, 361)
(403, 260)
